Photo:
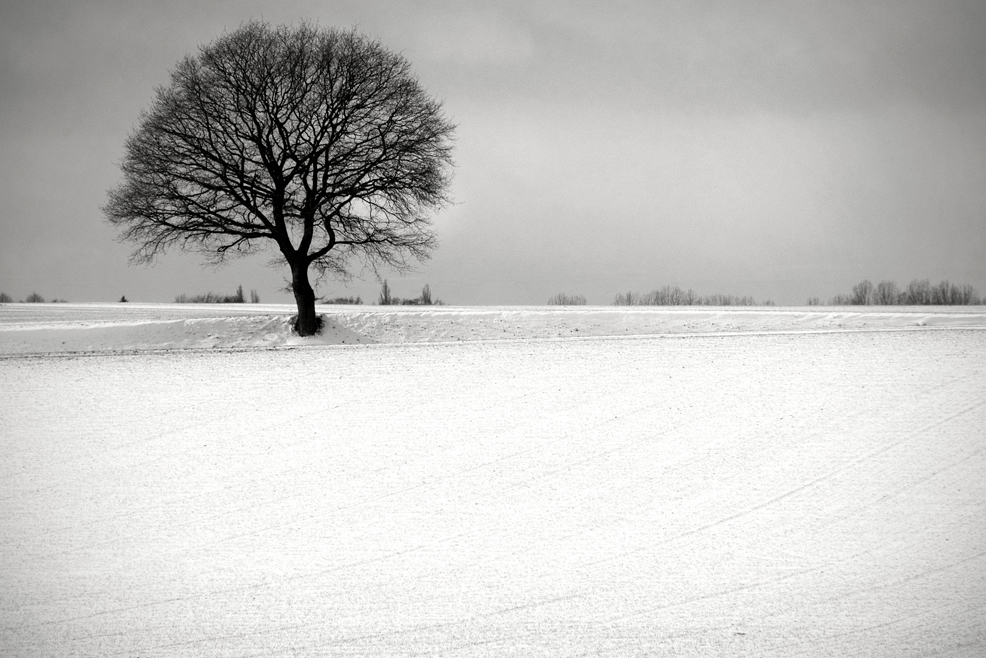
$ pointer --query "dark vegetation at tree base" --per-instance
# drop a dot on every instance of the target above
(919, 292)
(319, 325)
(675, 296)
(425, 299)
(213, 298)
(561, 299)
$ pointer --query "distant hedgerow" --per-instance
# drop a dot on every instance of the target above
(342, 300)
(5, 298)
(675, 296)
(35, 298)
(561, 299)
(213, 298)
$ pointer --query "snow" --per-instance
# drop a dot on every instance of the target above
(482, 482)
(46, 328)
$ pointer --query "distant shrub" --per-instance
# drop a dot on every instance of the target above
(675, 296)
(561, 299)
(124, 300)
(814, 301)
(5, 298)
(212, 298)
(35, 298)
(254, 297)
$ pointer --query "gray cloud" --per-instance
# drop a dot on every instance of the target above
(778, 149)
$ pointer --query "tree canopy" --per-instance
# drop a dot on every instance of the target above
(319, 142)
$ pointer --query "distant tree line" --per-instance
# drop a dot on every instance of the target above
(424, 299)
(675, 296)
(213, 298)
(341, 300)
(33, 298)
(919, 292)
(561, 299)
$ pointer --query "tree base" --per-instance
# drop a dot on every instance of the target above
(319, 325)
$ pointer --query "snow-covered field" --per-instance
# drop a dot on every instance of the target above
(194, 481)
(41, 328)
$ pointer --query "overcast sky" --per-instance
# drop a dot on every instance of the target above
(782, 150)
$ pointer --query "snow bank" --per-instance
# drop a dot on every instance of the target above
(107, 331)
(491, 323)
(45, 328)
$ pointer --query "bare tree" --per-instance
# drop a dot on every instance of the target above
(386, 299)
(919, 292)
(969, 295)
(862, 293)
(887, 293)
(940, 294)
(317, 142)
(629, 299)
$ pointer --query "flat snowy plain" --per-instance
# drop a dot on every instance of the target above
(506, 481)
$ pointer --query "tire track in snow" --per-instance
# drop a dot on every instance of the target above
(828, 475)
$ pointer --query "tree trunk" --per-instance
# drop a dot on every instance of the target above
(308, 324)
